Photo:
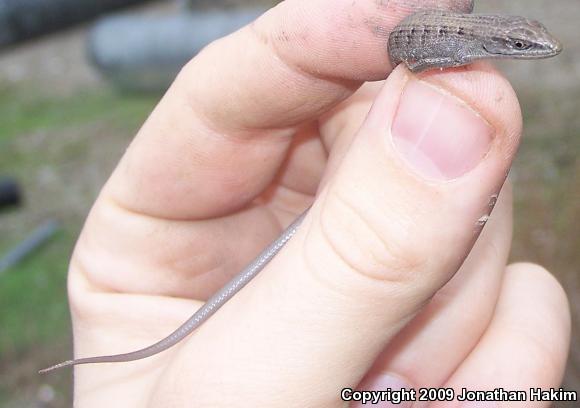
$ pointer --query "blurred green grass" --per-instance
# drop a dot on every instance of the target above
(33, 310)
(31, 297)
(50, 145)
(24, 110)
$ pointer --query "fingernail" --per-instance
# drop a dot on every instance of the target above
(396, 392)
(437, 134)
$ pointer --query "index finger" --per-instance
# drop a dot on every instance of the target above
(221, 132)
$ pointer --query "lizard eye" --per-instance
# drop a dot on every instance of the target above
(520, 45)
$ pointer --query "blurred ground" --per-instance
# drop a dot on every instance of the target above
(546, 175)
(62, 130)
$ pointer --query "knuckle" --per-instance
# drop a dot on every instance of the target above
(376, 250)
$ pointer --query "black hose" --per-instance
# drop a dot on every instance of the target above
(24, 19)
(10, 194)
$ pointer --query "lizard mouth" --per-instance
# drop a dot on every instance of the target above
(552, 48)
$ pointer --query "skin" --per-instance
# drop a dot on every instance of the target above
(253, 130)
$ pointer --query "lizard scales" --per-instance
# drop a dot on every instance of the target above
(440, 39)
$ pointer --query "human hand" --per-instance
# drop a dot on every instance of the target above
(374, 287)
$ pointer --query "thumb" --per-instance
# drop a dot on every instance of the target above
(391, 226)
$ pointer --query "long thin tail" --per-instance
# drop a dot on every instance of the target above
(207, 310)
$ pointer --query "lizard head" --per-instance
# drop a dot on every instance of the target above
(522, 38)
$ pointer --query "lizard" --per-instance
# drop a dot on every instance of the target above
(426, 39)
